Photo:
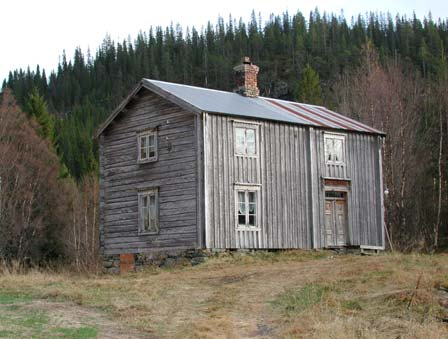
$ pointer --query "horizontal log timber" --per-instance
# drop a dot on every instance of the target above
(174, 174)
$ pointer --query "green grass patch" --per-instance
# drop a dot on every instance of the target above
(6, 334)
(24, 323)
(75, 333)
(6, 298)
(295, 301)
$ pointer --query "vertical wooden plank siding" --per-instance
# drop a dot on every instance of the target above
(314, 165)
(176, 174)
(290, 168)
(365, 208)
(381, 192)
(280, 170)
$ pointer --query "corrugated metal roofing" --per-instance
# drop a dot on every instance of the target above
(214, 101)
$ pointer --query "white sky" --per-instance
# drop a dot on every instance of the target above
(36, 32)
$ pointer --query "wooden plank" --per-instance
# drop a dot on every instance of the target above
(381, 193)
(313, 188)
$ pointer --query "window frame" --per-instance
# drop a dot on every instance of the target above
(147, 134)
(148, 192)
(336, 136)
(248, 189)
(246, 125)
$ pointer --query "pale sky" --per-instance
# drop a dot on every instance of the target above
(36, 32)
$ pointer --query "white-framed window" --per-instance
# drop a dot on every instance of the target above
(334, 148)
(245, 139)
(147, 146)
(247, 206)
(148, 208)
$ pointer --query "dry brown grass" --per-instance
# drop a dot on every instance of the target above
(289, 295)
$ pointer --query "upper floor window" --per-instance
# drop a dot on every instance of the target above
(148, 207)
(245, 136)
(334, 148)
(147, 146)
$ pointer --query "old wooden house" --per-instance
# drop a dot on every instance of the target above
(184, 167)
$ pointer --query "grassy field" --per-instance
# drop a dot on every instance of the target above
(268, 295)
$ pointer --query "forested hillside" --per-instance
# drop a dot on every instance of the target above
(389, 72)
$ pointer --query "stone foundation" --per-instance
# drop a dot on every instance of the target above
(128, 262)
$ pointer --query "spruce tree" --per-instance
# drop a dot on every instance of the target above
(37, 107)
(308, 89)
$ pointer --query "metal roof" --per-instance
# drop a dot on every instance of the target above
(221, 102)
(198, 99)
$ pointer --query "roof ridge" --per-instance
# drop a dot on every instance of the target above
(191, 86)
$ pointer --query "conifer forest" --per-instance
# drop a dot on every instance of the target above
(390, 72)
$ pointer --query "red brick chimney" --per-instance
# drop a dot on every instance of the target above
(246, 78)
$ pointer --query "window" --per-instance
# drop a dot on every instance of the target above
(148, 206)
(245, 140)
(247, 207)
(147, 146)
(334, 148)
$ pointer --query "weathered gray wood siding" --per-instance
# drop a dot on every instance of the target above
(281, 168)
(175, 174)
(366, 214)
(290, 169)
(362, 169)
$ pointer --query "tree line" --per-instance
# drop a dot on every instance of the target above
(390, 72)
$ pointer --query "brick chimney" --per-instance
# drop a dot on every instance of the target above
(246, 78)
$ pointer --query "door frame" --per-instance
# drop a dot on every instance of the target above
(337, 185)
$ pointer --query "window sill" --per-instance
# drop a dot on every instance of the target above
(248, 228)
(246, 156)
(338, 163)
(147, 160)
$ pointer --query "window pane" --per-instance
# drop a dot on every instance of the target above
(251, 148)
(152, 152)
(144, 201)
(241, 197)
(250, 135)
(240, 141)
(145, 218)
(252, 208)
(152, 212)
(252, 197)
(328, 149)
(148, 212)
(143, 153)
(241, 219)
(143, 141)
(241, 208)
(152, 200)
(250, 141)
(337, 150)
(151, 141)
(252, 220)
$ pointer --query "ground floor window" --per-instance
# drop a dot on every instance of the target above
(148, 211)
(247, 206)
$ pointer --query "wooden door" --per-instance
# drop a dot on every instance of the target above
(335, 219)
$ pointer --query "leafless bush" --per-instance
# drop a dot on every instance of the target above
(42, 217)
